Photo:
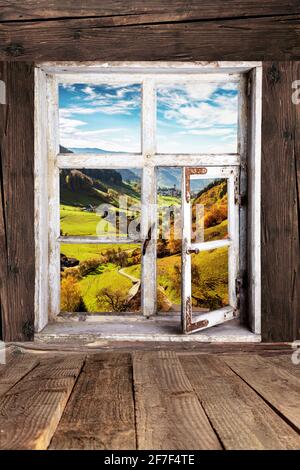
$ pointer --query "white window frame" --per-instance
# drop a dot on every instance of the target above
(192, 322)
(48, 161)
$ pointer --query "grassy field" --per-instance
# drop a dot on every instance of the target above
(92, 284)
(74, 221)
(209, 268)
(106, 275)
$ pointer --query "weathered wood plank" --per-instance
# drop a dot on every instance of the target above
(100, 413)
(17, 264)
(285, 362)
(168, 413)
(150, 10)
(240, 417)
(31, 410)
(16, 368)
(280, 206)
(94, 39)
(277, 386)
(78, 346)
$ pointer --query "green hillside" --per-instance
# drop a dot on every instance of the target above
(82, 191)
(215, 201)
(107, 273)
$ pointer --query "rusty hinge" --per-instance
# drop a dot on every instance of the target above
(190, 325)
(249, 85)
(241, 199)
(240, 284)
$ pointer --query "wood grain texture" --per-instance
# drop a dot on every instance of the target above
(17, 263)
(240, 417)
(277, 386)
(31, 410)
(285, 362)
(97, 39)
(150, 10)
(100, 413)
(168, 413)
(16, 368)
(64, 348)
(280, 204)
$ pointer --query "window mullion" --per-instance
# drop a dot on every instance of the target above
(148, 209)
(54, 195)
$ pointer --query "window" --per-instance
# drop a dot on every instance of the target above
(146, 169)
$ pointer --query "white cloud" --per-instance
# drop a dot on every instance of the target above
(194, 107)
(212, 131)
(201, 91)
(112, 103)
(68, 87)
(72, 135)
(229, 86)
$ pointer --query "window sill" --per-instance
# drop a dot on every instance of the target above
(114, 328)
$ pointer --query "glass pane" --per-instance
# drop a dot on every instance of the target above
(209, 206)
(99, 118)
(209, 280)
(197, 118)
(100, 278)
(100, 202)
(169, 239)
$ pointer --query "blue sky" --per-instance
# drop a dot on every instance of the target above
(102, 116)
(192, 118)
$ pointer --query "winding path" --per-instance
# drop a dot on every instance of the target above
(136, 283)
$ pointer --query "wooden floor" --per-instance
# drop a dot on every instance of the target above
(175, 398)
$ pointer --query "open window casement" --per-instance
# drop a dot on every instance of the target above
(194, 243)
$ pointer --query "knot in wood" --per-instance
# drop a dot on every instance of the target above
(15, 50)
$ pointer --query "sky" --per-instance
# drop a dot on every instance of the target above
(192, 118)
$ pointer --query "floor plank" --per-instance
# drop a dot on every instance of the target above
(16, 368)
(277, 386)
(168, 413)
(240, 417)
(285, 362)
(100, 413)
(31, 410)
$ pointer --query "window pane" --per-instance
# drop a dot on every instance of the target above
(100, 202)
(169, 239)
(209, 205)
(209, 280)
(100, 278)
(197, 118)
(100, 118)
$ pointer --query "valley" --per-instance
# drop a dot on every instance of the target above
(107, 276)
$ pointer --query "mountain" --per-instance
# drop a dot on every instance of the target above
(130, 175)
(63, 149)
(91, 150)
(168, 177)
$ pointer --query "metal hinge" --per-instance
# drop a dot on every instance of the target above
(249, 85)
(240, 285)
(241, 199)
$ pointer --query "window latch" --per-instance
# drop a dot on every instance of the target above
(190, 251)
(148, 239)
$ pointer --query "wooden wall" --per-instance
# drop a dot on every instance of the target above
(39, 30)
(17, 264)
